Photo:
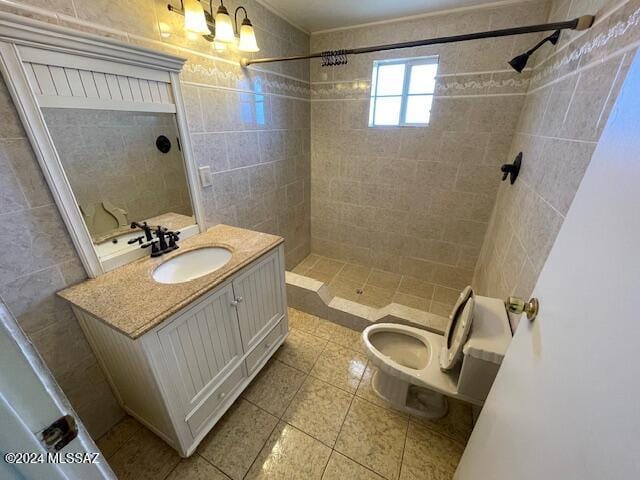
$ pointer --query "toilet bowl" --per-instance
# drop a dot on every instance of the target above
(418, 369)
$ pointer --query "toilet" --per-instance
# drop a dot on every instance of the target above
(418, 369)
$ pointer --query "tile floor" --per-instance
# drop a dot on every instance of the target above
(309, 414)
(379, 287)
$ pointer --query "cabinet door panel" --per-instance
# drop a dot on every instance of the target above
(262, 306)
(201, 346)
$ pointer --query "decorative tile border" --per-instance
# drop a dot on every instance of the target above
(486, 83)
(618, 32)
(252, 80)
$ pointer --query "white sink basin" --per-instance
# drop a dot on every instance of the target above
(191, 265)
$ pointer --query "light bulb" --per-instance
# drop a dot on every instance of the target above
(224, 27)
(247, 38)
(194, 19)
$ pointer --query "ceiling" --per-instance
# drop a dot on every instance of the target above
(316, 15)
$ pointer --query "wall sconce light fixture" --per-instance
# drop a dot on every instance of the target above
(194, 19)
(220, 30)
(247, 41)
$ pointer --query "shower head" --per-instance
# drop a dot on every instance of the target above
(518, 63)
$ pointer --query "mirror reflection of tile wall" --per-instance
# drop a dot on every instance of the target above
(111, 158)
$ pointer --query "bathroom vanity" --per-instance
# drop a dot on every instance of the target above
(177, 355)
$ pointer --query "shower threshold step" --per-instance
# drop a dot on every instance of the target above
(315, 298)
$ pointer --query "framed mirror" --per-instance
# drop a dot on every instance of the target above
(107, 123)
(124, 168)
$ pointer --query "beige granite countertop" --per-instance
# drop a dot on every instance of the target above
(129, 300)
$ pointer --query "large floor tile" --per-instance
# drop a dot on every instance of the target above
(290, 454)
(300, 320)
(341, 335)
(274, 387)
(341, 467)
(301, 350)
(365, 391)
(457, 424)
(318, 409)
(373, 437)
(144, 457)
(340, 367)
(196, 468)
(427, 472)
(237, 438)
(428, 454)
(115, 438)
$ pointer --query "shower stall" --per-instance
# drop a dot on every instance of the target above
(400, 202)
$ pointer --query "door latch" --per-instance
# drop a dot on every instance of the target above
(60, 433)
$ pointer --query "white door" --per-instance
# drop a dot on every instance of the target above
(30, 401)
(566, 401)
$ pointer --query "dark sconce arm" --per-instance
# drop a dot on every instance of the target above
(235, 18)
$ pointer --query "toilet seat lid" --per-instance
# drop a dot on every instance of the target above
(457, 331)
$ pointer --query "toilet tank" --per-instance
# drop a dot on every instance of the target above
(486, 346)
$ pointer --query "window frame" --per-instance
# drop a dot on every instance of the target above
(408, 63)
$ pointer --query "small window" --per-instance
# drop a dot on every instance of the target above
(402, 92)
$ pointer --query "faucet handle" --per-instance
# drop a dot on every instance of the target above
(155, 250)
(173, 238)
(137, 240)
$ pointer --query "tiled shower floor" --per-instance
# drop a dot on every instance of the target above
(378, 287)
(310, 414)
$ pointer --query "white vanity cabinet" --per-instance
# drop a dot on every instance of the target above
(180, 377)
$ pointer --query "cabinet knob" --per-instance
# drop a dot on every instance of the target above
(234, 303)
(222, 395)
(239, 299)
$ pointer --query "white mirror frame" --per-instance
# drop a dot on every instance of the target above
(22, 38)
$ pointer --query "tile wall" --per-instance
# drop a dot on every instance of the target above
(565, 110)
(250, 126)
(412, 201)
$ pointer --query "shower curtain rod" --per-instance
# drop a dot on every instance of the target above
(580, 23)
